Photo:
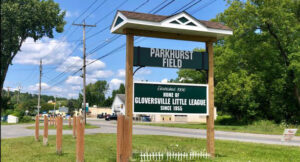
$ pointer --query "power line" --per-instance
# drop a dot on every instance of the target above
(203, 6)
(84, 11)
(115, 37)
(185, 6)
(94, 10)
(193, 5)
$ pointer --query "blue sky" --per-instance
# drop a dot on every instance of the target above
(62, 54)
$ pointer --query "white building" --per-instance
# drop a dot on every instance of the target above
(12, 119)
(118, 107)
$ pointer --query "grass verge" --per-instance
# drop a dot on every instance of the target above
(102, 148)
(5, 123)
(65, 127)
(260, 127)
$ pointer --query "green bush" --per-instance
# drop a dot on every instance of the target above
(26, 119)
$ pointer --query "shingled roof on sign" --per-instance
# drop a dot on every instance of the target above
(182, 23)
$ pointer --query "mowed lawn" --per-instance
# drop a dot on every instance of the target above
(65, 127)
(102, 148)
(262, 127)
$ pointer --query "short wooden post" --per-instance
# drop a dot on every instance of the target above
(70, 121)
(210, 118)
(37, 127)
(129, 90)
(59, 125)
(127, 139)
(50, 120)
(123, 154)
(55, 121)
(74, 126)
(80, 139)
(45, 137)
(120, 132)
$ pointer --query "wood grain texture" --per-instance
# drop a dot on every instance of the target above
(37, 123)
(210, 118)
(177, 36)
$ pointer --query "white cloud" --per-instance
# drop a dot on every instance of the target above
(71, 14)
(74, 80)
(100, 74)
(72, 95)
(165, 80)
(76, 88)
(45, 87)
(74, 63)
(115, 83)
(121, 73)
(143, 72)
(51, 50)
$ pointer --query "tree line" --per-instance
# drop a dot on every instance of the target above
(257, 69)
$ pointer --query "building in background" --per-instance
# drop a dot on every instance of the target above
(94, 111)
(63, 111)
(118, 105)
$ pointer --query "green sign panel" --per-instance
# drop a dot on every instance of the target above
(169, 58)
(170, 98)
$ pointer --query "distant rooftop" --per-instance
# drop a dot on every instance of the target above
(122, 97)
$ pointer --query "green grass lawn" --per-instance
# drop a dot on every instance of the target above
(102, 148)
(261, 127)
(5, 123)
(65, 127)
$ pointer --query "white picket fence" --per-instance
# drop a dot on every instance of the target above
(157, 156)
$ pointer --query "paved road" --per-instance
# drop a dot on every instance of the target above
(13, 131)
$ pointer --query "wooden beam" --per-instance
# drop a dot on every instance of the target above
(37, 127)
(129, 89)
(177, 36)
(210, 118)
(45, 137)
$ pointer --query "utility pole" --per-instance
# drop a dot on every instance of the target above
(19, 89)
(84, 65)
(40, 88)
(54, 105)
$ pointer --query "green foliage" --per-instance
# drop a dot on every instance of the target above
(257, 69)
(26, 119)
(21, 19)
(95, 93)
(239, 95)
(121, 90)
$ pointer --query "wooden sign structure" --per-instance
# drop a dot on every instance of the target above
(59, 126)
(45, 137)
(37, 127)
(80, 125)
(181, 26)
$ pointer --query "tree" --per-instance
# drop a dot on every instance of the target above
(121, 90)
(95, 93)
(109, 100)
(21, 19)
(265, 43)
(257, 68)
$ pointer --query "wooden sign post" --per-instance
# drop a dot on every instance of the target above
(80, 124)
(45, 137)
(59, 125)
(70, 122)
(129, 90)
(210, 118)
(37, 127)
(180, 26)
(74, 126)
